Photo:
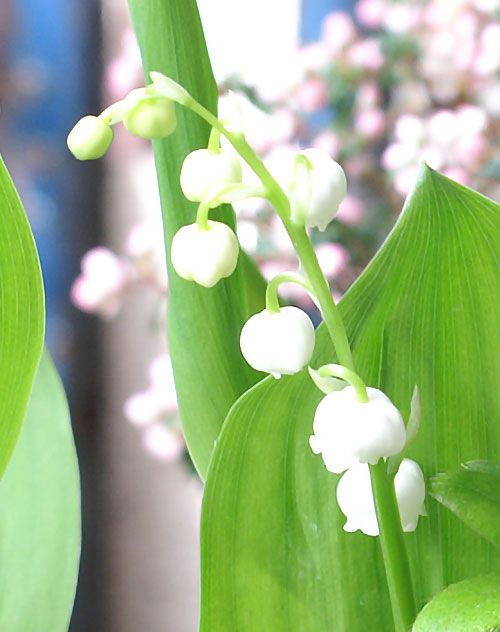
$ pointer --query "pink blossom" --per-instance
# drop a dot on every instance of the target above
(99, 287)
(470, 148)
(368, 96)
(328, 141)
(401, 18)
(313, 57)
(370, 123)
(471, 119)
(163, 443)
(351, 210)
(409, 128)
(371, 13)
(458, 174)
(405, 179)
(366, 54)
(312, 94)
(397, 155)
(141, 408)
(443, 127)
(333, 258)
(337, 31)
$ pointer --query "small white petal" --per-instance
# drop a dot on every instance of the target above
(204, 171)
(281, 343)
(204, 256)
(355, 497)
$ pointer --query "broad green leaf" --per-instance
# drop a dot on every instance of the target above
(425, 312)
(203, 324)
(469, 606)
(22, 315)
(40, 516)
(472, 493)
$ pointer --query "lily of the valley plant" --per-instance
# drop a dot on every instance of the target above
(351, 470)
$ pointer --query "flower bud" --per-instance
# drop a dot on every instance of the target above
(279, 343)
(204, 171)
(90, 138)
(204, 256)
(347, 431)
(151, 118)
(326, 189)
(355, 497)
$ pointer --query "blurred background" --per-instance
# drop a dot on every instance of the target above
(380, 85)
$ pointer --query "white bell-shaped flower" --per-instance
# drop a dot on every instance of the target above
(355, 497)
(204, 255)
(280, 343)
(347, 431)
(90, 138)
(325, 191)
(204, 171)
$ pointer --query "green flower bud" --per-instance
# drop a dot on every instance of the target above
(151, 118)
(90, 138)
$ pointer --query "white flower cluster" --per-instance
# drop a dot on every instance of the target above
(350, 435)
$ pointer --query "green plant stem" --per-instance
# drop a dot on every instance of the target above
(272, 301)
(395, 556)
(393, 547)
(349, 376)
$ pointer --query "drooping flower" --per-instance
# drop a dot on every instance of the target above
(280, 343)
(204, 255)
(324, 191)
(204, 171)
(347, 431)
(355, 497)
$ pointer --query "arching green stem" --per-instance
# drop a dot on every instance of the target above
(336, 370)
(272, 301)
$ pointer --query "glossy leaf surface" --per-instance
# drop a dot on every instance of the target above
(40, 516)
(203, 324)
(469, 606)
(22, 315)
(425, 312)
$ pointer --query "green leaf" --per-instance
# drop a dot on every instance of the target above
(40, 516)
(469, 606)
(203, 324)
(21, 315)
(472, 493)
(425, 312)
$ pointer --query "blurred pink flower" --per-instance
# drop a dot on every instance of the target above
(313, 57)
(405, 179)
(366, 54)
(471, 119)
(368, 96)
(401, 18)
(351, 210)
(397, 155)
(333, 258)
(337, 31)
(141, 408)
(442, 127)
(99, 287)
(163, 443)
(371, 13)
(470, 148)
(312, 94)
(457, 173)
(409, 129)
(328, 141)
(370, 123)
